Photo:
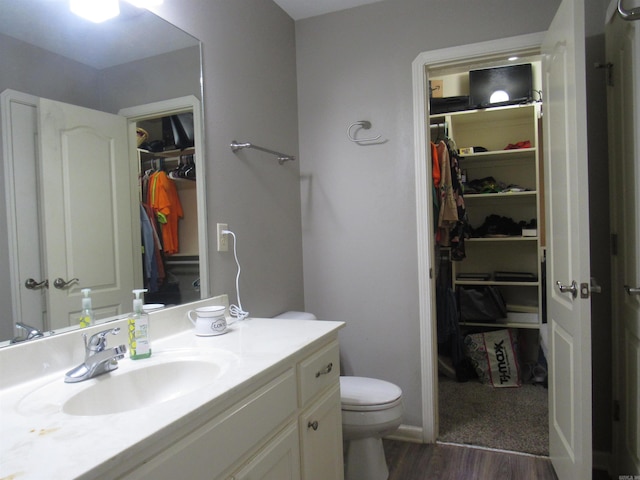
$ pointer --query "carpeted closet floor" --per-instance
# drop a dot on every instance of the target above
(514, 419)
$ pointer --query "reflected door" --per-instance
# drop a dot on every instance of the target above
(87, 211)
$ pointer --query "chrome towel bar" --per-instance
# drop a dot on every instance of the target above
(235, 146)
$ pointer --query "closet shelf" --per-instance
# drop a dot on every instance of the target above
(501, 325)
(510, 195)
(169, 153)
(496, 283)
(502, 239)
(501, 154)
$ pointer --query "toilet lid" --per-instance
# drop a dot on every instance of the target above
(363, 391)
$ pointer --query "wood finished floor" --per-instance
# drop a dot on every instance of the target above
(414, 461)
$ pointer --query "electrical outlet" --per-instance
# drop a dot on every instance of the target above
(223, 238)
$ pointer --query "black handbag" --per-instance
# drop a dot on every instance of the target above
(481, 304)
(178, 130)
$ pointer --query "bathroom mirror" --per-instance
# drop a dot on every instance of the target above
(133, 64)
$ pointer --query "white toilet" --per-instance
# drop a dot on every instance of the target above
(371, 409)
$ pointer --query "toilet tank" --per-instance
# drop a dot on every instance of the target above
(292, 314)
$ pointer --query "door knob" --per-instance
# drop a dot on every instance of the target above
(632, 290)
(573, 288)
(60, 284)
(31, 284)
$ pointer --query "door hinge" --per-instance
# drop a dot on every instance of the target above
(614, 244)
(609, 67)
(616, 411)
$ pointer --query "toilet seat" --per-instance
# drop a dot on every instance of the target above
(362, 394)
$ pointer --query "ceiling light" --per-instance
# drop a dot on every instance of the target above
(96, 11)
(145, 3)
(512, 59)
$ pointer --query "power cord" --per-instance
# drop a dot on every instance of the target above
(236, 311)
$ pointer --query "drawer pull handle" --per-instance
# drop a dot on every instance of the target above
(313, 425)
(325, 370)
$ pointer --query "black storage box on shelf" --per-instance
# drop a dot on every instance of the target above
(448, 104)
(515, 277)
(516, 81)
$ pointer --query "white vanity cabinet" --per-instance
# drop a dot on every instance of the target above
(321, 417)
(289, 428)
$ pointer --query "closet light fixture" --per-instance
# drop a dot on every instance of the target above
(96, 11)
(499, 96)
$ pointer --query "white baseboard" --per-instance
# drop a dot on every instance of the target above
(602, 461)
(407, 433)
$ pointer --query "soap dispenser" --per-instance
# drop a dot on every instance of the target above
(139, 336)
(86, 317)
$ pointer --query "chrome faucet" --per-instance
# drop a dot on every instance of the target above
(98, 359)
(31, 333)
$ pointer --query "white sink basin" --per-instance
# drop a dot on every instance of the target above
(134, 385)
(142, 387)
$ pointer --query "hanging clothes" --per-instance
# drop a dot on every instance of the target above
(460, 230)
(448, 214)
(435, 184)
(163, 198)
(152, 254)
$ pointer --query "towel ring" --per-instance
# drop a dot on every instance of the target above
(365, 124)
(633, 14)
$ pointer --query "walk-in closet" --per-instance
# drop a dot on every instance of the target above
(484, 124)
(169, 211)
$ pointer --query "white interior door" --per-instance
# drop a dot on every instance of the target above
(19, 132)
(569, 312)
(88, 216)
(623, 53)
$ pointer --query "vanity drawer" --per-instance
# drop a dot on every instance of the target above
(319, 371)
(213, 448)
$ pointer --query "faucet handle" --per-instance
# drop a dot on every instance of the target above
(98, 341)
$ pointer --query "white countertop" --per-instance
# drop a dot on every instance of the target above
(43, 443)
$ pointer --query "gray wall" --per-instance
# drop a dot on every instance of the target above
(358, 202)
(250, 95)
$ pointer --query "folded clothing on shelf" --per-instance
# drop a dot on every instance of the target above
(499, 226)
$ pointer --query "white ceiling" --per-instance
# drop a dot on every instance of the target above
(133, 35)
(48, 24)
(299, 9)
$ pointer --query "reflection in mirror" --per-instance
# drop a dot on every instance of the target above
(63, 79)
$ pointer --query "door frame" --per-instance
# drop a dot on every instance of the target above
(190, 104)
(522, 44)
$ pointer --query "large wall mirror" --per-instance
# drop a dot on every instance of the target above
(75, 96)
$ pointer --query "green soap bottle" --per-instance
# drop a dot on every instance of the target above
(139, 335)
(86, 317)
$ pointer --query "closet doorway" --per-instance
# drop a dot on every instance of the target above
(490, 285)
(568, 313)
(162, 123)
